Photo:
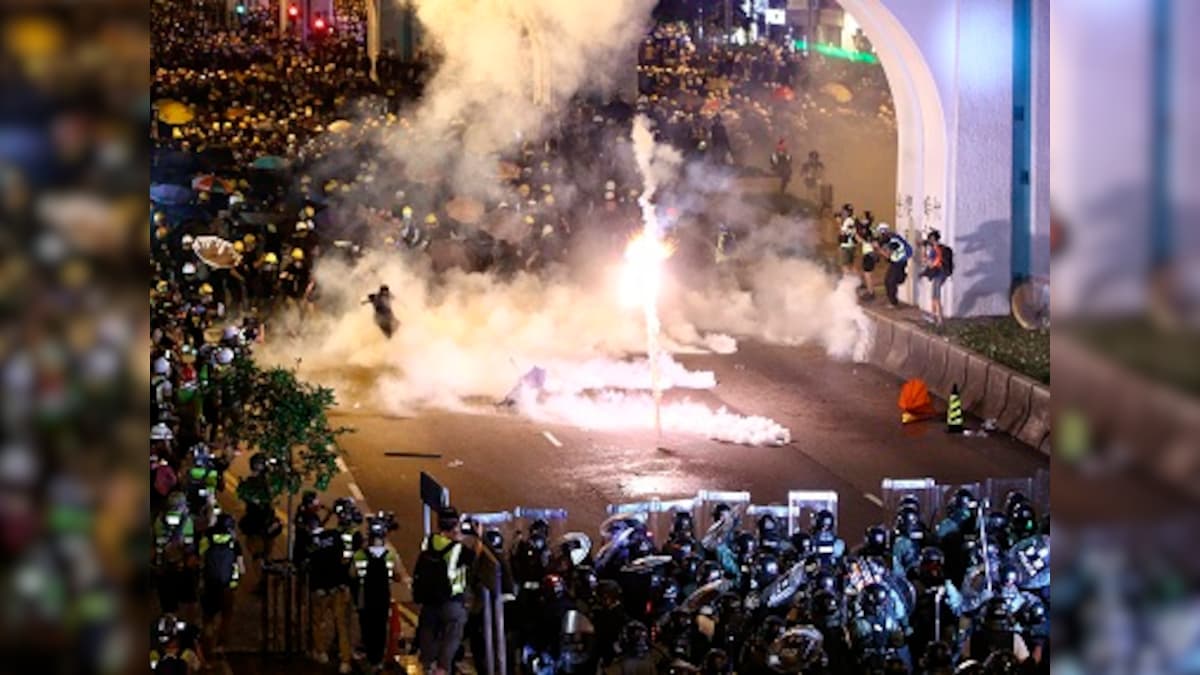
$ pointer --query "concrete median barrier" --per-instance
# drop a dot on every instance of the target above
(898, 351)
(1016, 405)
(1036, 427)
(974, 387)
(882, 342)
(1020, 406)
(954, 373)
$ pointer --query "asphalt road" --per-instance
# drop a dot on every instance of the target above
(846, 436)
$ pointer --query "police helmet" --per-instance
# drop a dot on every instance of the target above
(1002, 662)
(997, 523)
(720, 511)
(911, 500)
(802, 542)
(796, 650)
(768, 527)
(1023, 520)
(1009, 576)
(728, 604)
(225, 524)
(682, 524)
(962, 503)
(1012, 499)
(167, 628)
(540, 527)
(258, 462)
(634, 639)
(823, 521)
(874, 599)
(1032, 613)
(876, 537)
(576, 546)
(717, 662)
(494, 540)
(766, 569)
(932, 565)
(745, 545)
(996, 615)
(826, 605)
(825, 581)
(938, 656)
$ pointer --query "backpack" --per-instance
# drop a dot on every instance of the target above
(947, 259)
(431, 577)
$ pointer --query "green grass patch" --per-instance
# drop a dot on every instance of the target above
(1138, 344)
(1004, 341)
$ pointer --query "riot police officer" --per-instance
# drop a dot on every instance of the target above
(876, 634)
(635, 657)
(875, 544)
(829, 546)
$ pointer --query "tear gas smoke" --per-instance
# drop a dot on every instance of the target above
(506, 66)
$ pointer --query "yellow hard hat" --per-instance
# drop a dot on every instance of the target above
(160, 218)
(297, 254)
(431, 219)
(528, 220)
(239, 246)
(549, 200)
(389, 240)
(250, 239)
(271, 259)
(161, 286)
(206, 289)
(546, 188)
(406, 211)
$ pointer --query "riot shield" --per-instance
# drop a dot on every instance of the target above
(646, 512)
(1031, 557)
(947, 490)
(804, 504)
(924, 491)
(501, 521)
(997, 490)
(706, 502)
(779, 592)
(666, 517)
(711, 533)
(525, 516)
(862, 572)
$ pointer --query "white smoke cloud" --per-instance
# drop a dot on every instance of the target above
(506, 69)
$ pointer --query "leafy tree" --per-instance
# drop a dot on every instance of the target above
(286, 420)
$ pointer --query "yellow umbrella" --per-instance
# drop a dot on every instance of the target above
(175, 113)
(339, 126)
(838, 92)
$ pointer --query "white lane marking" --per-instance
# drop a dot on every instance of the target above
(341, 465)
(873, 499)
(553, 441)
(357, 493)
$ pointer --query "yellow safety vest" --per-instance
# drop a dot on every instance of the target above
(452, 550)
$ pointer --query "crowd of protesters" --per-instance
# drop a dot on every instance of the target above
(266, 160)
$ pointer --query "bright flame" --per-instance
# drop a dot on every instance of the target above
(641, 278)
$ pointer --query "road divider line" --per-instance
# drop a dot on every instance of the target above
(341, 465)
(553, 441)
(356, 492)
(873, 499)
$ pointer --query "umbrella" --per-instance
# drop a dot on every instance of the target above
(215, 252)
(465, 210)
(165, 193)
(270, 163)
(339, 126)
(211, 183)
(175, 113)
(838, 92)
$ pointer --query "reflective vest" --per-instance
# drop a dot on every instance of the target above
(170, 526)
(347, 545)
(847, 234)
(452, 551)
(362, 559)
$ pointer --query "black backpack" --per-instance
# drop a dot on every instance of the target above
(219, 560)
(431, 577)
(947, 259)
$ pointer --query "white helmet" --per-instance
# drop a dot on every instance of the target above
(187, 240)
(161, 366)
(161, 432)
(224, 356)
(231, 333)
(884, 227)
(189, 268)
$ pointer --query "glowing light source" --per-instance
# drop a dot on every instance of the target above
(293, 11)
(319, 24)
(838, 53)
(641, 280)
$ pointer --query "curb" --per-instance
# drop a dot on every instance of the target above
(1020, 405)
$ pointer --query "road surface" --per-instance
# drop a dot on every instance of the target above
(846, 436)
